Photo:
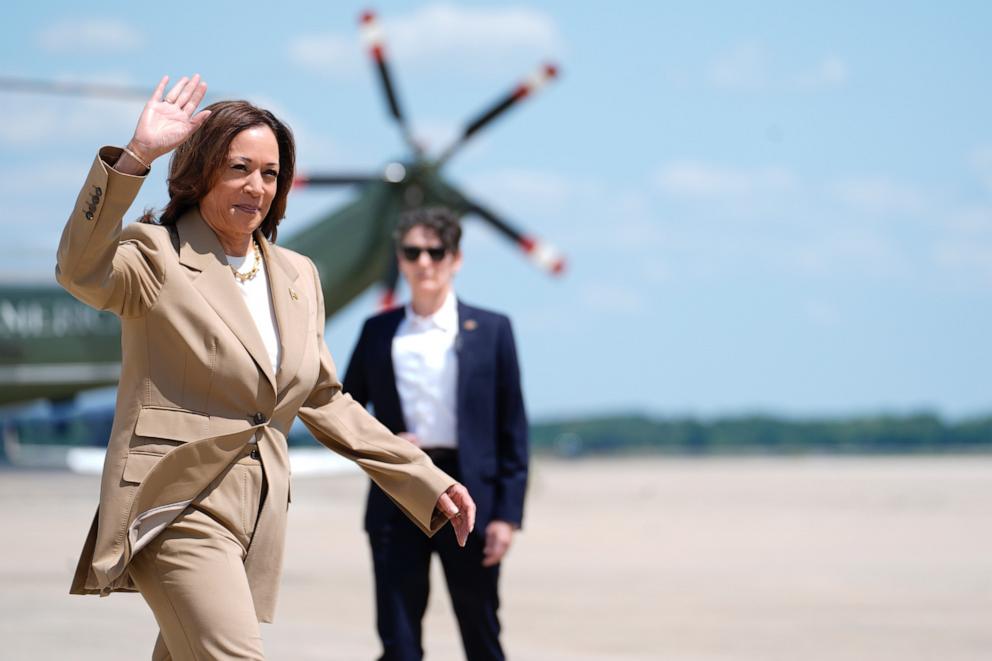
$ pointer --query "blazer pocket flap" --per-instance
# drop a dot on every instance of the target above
(138, 464)
(173, 424)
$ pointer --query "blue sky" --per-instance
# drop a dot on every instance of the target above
(765, 207)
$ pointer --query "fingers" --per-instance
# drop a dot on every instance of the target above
(462, 529)
(176, 90)
(498, 536)
(458, 506)
(160, 89)
(466, 506)
(447, 506)
(493, 555)
(458, 520)
(496, 548)
(187, 91)
(198, 118)
(197, 96)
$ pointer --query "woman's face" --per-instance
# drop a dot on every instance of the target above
(246, 184)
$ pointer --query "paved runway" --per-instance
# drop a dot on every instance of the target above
(762, 559)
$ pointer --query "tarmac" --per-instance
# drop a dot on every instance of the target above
(711, 559)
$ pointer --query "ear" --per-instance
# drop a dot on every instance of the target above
(456, 261)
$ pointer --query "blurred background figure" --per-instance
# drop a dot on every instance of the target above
(443, 375)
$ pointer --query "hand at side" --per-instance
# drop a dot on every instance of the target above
(458, 506)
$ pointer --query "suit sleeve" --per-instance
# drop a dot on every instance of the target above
(94, 264)
(339, 422)
(512, 433)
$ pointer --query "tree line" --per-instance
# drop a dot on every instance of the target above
(918, 432)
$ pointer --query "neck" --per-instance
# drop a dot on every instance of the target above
(426, 304)
(235, 245)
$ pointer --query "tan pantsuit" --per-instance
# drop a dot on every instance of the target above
(197, 391)
(192, 575)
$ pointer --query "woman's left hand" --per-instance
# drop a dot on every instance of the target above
(458, 506)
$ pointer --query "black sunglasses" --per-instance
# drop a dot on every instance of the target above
(412, 253)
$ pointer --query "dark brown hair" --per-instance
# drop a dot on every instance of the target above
(196, 164)
(441, 220)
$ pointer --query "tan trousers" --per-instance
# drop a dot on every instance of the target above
(192, 575)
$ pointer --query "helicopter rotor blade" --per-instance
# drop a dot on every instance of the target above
(393, 173)
(65, 88)
(387, 300)
(544, 74)
(372, 34)
(307, 181)
(544, 255)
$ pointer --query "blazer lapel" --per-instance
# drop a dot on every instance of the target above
(200, 250)
(392, 395)
(291, 309)
(465, 348)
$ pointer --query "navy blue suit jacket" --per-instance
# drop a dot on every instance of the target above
(492, 423)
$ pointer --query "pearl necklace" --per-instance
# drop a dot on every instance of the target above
(245, 277)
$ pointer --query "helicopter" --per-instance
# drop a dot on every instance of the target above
(53, 346)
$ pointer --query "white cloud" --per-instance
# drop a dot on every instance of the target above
(845, 252)
(744, 68)
(830, 72)
(472, 39)
(528, 187)
(964, 247)
(879, 195)
(57, 175)
(329, 53)
(695, 179)
(750, 68)
(970, 261)
(972, 220)
(92, 35)
(32, 120)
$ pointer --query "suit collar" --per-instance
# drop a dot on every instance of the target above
(201, 251)
(445, 318)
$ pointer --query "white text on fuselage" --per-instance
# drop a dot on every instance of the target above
(24, 319)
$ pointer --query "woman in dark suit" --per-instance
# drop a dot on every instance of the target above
(443, 375)
(222, 338)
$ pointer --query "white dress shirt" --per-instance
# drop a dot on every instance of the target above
(256, 295)
(426, 368)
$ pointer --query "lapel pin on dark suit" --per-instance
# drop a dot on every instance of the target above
(467, 325)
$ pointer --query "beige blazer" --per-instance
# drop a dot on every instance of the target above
(197, 385)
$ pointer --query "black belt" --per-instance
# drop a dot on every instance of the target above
(439, 455)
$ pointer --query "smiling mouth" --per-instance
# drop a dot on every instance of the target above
(247, 208)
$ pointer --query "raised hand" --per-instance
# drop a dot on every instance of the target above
(166, 122)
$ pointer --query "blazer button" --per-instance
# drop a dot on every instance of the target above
(258, 419)
(95, 199)
(89, 215)
(98, 190)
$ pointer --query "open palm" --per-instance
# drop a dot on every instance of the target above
(166, 122)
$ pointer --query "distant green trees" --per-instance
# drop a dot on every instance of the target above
(631, 434)
(922, 432)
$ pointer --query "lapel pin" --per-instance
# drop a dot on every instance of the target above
(292, 292)
(470, 324)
